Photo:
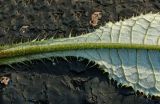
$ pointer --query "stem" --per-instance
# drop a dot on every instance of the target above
(36, 49)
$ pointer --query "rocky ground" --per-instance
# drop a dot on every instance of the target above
(62, 82)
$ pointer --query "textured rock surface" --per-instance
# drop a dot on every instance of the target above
(100, 91)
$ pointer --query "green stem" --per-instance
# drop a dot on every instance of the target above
(36, 49)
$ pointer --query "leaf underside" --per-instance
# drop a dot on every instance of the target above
(139, 68)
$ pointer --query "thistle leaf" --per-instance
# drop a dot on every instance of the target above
(128, 50)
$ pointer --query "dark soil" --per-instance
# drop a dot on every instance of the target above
(61, 81)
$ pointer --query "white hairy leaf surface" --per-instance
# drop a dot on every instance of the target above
(139, 68)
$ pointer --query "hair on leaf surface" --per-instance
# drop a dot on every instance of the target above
(128, 52)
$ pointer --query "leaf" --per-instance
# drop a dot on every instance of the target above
(128, 50)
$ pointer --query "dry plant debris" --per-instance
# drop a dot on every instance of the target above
(95, 17)
(5, 80)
